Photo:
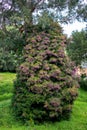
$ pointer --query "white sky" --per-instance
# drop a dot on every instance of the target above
(68, 28)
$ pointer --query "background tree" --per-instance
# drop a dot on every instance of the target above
(65, 10)
(69, 6)
(77, 49)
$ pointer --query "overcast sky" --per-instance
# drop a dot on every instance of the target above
(72, 27)
(75, 26)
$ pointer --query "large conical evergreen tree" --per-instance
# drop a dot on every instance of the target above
(45, 88)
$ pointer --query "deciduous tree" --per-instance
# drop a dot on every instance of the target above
(77, 49)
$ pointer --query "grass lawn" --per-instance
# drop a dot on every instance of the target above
(78, 120)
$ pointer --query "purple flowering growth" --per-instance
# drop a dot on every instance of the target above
(33, 41)
(55, 102)
(53, 87)
(38, 38)
(24, 69)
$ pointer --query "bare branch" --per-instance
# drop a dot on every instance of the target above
(35, 6)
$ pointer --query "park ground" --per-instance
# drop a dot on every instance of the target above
(78, 120)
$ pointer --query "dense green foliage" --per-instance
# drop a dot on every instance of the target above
(45, 87)
(12, 39)
(77, 48)
(11, 44)
(8, 61)
(7, 122)
(83, 82)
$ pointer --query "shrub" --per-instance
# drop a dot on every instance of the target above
(12, 40)
(8, 60)
(83, 82)
(11, 45)
(45, 87)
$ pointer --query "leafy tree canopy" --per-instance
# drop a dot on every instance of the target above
(63, 10)
(77, 49)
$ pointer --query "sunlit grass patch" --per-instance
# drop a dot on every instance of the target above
(6, 85)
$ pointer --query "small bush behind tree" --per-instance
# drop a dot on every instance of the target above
(83, 82)
(9, 60)
(11, 45)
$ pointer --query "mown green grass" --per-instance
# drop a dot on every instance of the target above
(6, 85)
(78, 120)
(6, 90)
